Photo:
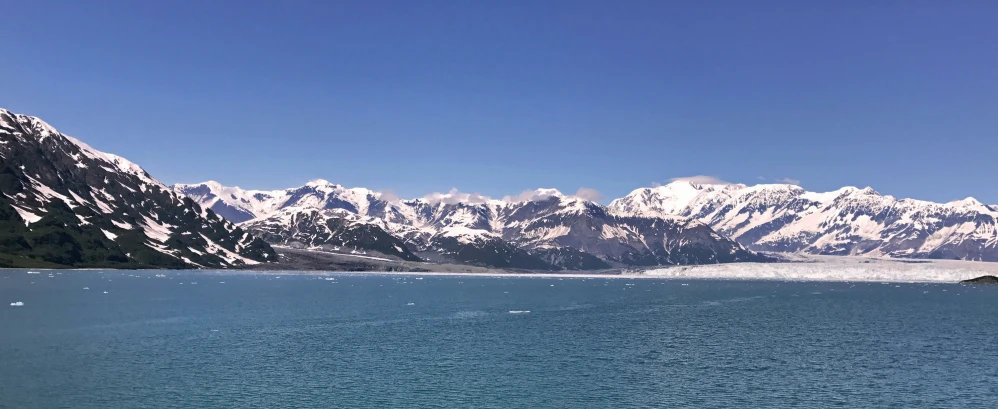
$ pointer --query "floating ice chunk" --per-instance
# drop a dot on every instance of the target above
(86, 288)
(17, 304)
(412, 303)
(330, 279)
(34, 272)
(105, 292)
(161, 275)
(221, 282)
(519, 311)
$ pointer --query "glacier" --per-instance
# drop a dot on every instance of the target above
(835, 268)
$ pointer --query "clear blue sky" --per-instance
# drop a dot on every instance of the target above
(500, 96)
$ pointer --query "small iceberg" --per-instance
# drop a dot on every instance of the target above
(34, 272)
(86, 288)
(519, 311)
(160, 275)
(330, 279)
(105, 292)
(17, 304)
(412, 303)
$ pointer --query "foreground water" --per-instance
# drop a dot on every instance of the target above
(195, 339)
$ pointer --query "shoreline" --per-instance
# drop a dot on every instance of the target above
(800, 269)
(584, 276)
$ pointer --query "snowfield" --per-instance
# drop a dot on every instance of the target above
(837, 268)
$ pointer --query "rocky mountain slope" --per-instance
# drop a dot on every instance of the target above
(786, 218)
(551, 231)
(65, 204)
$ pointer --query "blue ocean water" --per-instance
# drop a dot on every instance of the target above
(269, 340)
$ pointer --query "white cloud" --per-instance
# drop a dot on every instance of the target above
(788, 181)
(533, 195)
(454, 196)
(701, 180)
(589, 194)
(389, 196)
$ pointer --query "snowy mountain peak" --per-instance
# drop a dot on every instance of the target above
(968, 202)
(35, 125)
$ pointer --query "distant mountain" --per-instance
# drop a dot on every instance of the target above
(552, 231)
(65, 204)
(787, 218)
(238, 205)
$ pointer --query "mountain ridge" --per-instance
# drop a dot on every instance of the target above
(849, 220)
(765, 217)
(547, 230)
(65, 204)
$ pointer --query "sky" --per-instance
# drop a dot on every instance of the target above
(495, 97)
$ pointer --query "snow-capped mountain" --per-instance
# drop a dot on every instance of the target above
(550, 231)
(786, 218)
(64, 203)
(238, 205)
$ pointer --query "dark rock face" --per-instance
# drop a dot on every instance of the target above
(488, 252)
(336, 230)
(981, 280)
(570, 259)
(65, 204)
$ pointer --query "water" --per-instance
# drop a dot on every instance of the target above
(302, 341)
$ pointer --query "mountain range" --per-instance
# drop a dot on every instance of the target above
(549, 231)
(847, 221)
(573, 233)
(65, 204)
